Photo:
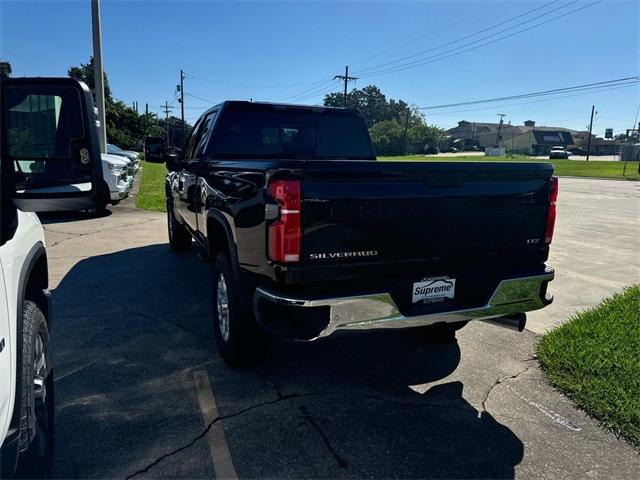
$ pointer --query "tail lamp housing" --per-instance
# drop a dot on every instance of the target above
(285, 233)
(551, 214)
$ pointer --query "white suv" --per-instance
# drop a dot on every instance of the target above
(50, 160)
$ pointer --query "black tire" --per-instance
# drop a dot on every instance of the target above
(179, 236)
(238, 344)
(36, 446)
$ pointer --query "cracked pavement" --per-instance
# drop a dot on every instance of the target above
(132, 325)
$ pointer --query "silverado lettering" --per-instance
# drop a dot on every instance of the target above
(320, 256)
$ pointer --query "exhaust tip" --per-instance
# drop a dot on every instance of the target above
(517, 321)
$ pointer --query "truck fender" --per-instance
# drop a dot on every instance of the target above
(10, 446)
(220, 219)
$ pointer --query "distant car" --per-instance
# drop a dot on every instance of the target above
(133, 158)
(578, 151)
(449, 150)
(116, 150)
(558, 152)
(431, 150)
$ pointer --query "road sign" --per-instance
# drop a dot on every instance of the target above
(608, 133)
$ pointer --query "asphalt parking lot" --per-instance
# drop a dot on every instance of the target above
(141, 391)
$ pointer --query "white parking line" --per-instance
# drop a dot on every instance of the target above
(220, 455)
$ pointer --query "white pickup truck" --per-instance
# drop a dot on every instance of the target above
(49, 160)
(118, 177)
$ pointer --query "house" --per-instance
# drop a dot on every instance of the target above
(538, 141)
(527, 138)
(482, 134)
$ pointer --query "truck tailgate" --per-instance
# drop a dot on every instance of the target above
(451, 214)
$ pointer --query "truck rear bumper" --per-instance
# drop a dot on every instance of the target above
(308, 319)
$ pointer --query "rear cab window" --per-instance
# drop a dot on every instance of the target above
(258, 131)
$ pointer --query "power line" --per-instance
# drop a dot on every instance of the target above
(312, 91)
(634, 79)
(432, 32)
(454, 51)
(246, 85)
(594, 90)
(486, 29)
(212, 102)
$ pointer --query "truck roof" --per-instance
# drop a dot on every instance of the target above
(244, 104)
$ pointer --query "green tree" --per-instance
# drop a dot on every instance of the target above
(371, 102)
(85, 73)
(5, 69)
(388, 138)
(421, 135)
(125, 127)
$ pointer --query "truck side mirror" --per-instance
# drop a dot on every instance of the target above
(49, 145)
(171, 160)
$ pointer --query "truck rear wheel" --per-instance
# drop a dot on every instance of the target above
(235, 330)
(36, 410)
(179, 237)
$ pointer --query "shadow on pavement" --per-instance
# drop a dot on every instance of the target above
(47, 218)
(132, 327)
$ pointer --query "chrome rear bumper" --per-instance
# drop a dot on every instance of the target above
(378, 310)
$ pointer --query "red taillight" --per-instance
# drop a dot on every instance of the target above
(551, 216)
(285, 233)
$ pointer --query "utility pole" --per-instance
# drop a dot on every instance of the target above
(593, 107)
(346, 78)
(167, 109)
(146, 109)
(499, 136)
(98, 74)
(406, 128)
(182, 106)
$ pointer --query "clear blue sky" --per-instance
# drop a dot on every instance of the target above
(289, 43)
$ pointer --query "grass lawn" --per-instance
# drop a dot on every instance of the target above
(151, 193)
(571, 168)
(595, 360)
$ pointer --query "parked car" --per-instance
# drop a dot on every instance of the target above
(133, 157)
(73, 181)
(449, 150)
(308, 234)
(558, 152)
(431, 150)
(118, 177)
(153, 149)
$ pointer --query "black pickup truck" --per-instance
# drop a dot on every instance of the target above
(309, 233)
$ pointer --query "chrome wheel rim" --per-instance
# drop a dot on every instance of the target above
(39, 374)
(222, 304)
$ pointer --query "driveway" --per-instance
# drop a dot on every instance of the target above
(141, 391)
(596, 246)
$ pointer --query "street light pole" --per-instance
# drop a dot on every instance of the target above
(98, 75)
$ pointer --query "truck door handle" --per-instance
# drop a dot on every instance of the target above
(1, 345)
